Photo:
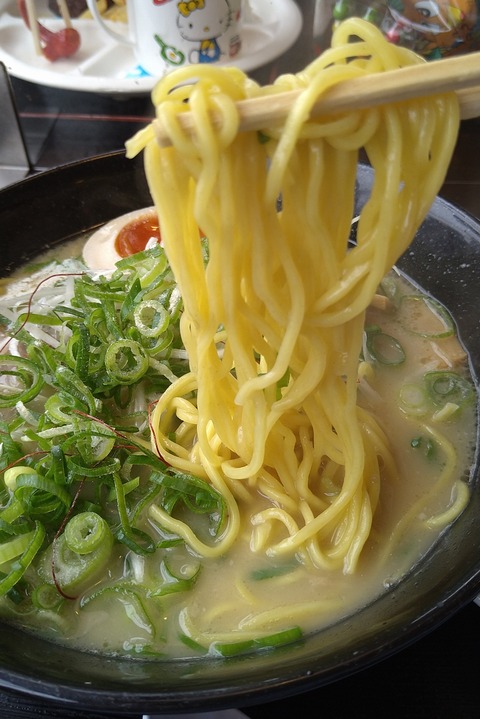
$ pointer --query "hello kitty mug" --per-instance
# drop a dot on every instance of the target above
(165, 34)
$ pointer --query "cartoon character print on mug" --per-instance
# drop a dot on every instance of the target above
(169, 33)
(205, 24)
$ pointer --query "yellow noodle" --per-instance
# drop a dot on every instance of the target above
(245, 593)
(275, 411)
(293, 613)
(266, 621)
(415, 511)
(461, 494)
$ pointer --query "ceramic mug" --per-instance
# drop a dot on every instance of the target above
(165, 34)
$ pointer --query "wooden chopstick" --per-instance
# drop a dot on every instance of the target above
(460, 74)
(32, 20)
(65, 12)
(469, 99)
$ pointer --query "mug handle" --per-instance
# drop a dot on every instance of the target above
(92, 6)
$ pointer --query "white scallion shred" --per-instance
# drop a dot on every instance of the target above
(54, 432)
(162, 369)
(26, 414)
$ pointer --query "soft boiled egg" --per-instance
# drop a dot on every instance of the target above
(121, 237)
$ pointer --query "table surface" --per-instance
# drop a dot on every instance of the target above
(437, 676)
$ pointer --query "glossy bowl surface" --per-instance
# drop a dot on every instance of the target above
(445, 260)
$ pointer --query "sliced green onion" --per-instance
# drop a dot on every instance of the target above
(196, 495)
(151, 318)
(58, 465)
(31, 486)
(180, 578)
(180, 566)
(78, 351)
(413, 399)
(147, 459)
(131, 300)
(384, 348)
(8, 530)
(63, 309)
(103, 291)
(17, 595)
(11, 450)
(96, 443)
(74, 572)
(270, 641)
(128, 487)
(112, 320)
(287, 636)
(271, 572)
(97, 325)
(48, 434)
(135, 539)
(85, 532)
(38, 319)
(96, 360)
(160, 344)
(68, 381)
(46, 596)
(191, 643)
(15, 547)
(20, 566)
(12, 511)
(425, 444)
(28, 416)
(447, 412)
(28, 380)
(12, 473)
(232, 649)
(102, 469)
(157, 269)
(447, 386)
(44, 356)
(126, 361)
(59, 407)
(154, 255)
(131, 600)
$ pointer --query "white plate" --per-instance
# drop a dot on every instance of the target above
(104, 66)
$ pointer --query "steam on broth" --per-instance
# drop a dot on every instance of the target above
(234, 438)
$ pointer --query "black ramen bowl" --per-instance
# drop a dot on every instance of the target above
(445, 260)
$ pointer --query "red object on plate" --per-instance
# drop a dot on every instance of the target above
(55, 45)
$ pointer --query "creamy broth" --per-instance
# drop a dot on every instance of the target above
(246, 595)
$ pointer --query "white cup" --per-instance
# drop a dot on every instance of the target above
(166, 34)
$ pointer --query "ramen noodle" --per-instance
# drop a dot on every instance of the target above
(276, 412)
(249, 430)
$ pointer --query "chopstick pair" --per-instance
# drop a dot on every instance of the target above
(460, 74)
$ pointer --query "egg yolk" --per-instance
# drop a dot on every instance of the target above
(134, 236)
